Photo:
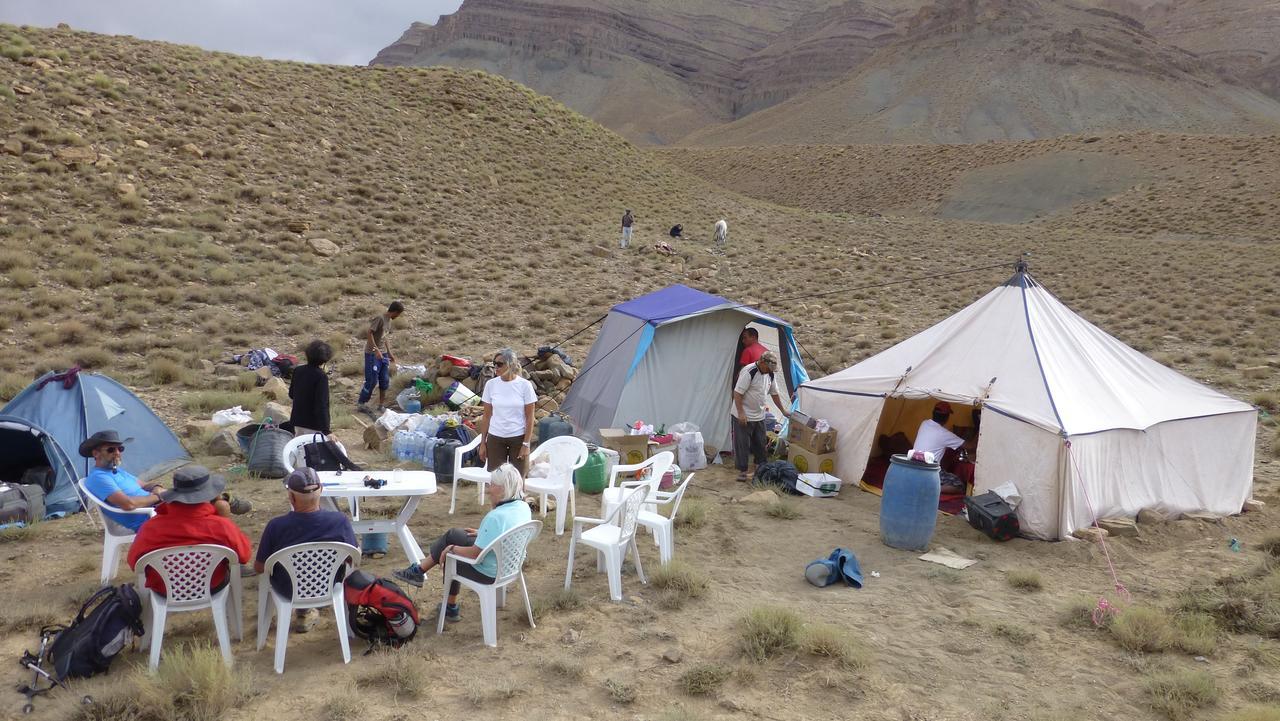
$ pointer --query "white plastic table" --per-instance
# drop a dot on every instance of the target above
(412, 485)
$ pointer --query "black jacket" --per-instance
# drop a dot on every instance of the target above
(310, 393)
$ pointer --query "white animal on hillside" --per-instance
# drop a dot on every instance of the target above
(722, 232)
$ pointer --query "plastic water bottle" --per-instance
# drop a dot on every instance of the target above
(399, 444)
(429, 454)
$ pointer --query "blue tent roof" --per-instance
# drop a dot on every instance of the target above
(678, 301)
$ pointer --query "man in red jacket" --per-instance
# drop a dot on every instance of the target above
(187, 517)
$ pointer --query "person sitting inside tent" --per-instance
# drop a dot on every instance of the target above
(193, 513)
(934, 438)
(114, 485)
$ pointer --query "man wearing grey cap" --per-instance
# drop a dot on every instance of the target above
(187, 517)
(306, 523)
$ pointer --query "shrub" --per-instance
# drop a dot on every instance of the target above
(1141, 628)
(71, 331)
(678, 582)
(692, 513)
(209, 401)
(620, 692)
(783, 509)
(561, 600)
(1013, 633)
(192, 684)
(1024, 580)
(766, 631)
(1197, 633)
(834, 643)
(405, 674)
(704, 678)
(1271, 545)
(1179, 694)
(164, 371)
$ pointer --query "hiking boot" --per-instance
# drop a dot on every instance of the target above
(305, 620)
(411, 575)
(743, 477)
(363, 408)
(246, 571)
(239, 506)
(452, 613)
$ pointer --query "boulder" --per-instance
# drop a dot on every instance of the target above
(277, 412)
(1119, 526)
(1253, 506)
(1202, 517)
(125, 189)
(298, 226)
(193, 150)
(208, 366)
(673, 655)
(600, 252)
(1256, 372)
(1091, 534)
(276, 390)
(13, 146)
(264, 374)
(227, 370)
(140, 143)
(324, 247)
(760, 497)
(224, 443)
(76, 155)
(1150, 516)
(196, 429)
(374, 435)
(23, 89)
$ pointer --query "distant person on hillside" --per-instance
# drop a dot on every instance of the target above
(627, 221)
(309, 389)
(677, 231)
(377, 357)
(722, 232)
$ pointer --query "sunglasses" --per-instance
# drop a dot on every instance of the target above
(499, 364)
(113, 449)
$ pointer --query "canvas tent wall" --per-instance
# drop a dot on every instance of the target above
(46, 422)
(1080, 422)
(667, 357)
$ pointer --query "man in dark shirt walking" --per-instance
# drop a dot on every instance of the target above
(377, 356)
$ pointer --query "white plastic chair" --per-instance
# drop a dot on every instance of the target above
(312, 568)
(291, 448)
(509, 551)
(186, 572)
(657, 466)
(610, 538)
(563, 452)
(475, 475)
(115, 537)
(663, 527)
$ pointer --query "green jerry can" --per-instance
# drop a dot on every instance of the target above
(591, 477)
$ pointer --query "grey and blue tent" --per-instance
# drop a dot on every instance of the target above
(45, 424)
(668, 357)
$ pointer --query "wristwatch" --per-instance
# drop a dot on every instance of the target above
(525, 444)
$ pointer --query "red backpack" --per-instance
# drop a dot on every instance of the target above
(377, 610)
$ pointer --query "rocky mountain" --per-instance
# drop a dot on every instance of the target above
(752, 71)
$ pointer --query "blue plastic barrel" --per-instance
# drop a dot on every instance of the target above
(909, 506)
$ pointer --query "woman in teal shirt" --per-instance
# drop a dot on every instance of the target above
(506, 492)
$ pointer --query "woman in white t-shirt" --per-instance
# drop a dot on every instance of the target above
(506, 427)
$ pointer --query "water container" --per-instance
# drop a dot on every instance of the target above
(444, 453)
(591, 477)
(553, 426)
(909, 506)
(413, 405)
(400, 445)
(429, 454)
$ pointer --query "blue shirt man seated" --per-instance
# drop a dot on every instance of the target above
(306, 523)
(114, 485)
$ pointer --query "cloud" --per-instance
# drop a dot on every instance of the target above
(348, 32)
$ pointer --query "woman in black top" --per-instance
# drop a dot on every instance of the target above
(310, 392)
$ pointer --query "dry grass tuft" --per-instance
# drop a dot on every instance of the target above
(693, 513)
(1141, 628)
(209, 401)
(560, 600)
(621, 692)
(1179, 695)
(1271, 545)
(679, 582)
(766, 631)
(1254, 713)
(1024, 580)
(704, 678)
(192, 684)
(784, 509)
(401, 671)
(836, 644)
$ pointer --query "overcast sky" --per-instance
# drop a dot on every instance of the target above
(349, 32)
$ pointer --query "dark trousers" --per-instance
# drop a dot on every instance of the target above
(458, 537)
(499, 450)
(748, 439)
(376, 373)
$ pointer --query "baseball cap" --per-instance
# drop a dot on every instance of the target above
(303, 480)
(942, 407)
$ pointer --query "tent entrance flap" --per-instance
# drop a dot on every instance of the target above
(896, 431)
(23, 450)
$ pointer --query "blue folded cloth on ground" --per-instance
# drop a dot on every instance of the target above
(840, 565)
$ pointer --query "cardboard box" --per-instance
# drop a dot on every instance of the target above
(806, 461)
(631, 449)
(809, 439)
(818, 485)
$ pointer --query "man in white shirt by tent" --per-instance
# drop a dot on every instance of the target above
(755, 384)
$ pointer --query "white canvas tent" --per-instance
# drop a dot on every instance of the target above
(667, 357)
(1077, 420)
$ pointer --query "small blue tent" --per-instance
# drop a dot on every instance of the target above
(45, 424)
(668, 357)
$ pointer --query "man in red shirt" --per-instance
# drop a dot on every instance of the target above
(187, 517)
(752, 348)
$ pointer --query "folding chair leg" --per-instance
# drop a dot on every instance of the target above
(489, 615)
(220, 623)
(284, 617)
(614, 564)
(340, 615)
(453, 496)
(568, 572)
(265, 609)
(560, 509)
(158, 614)
(444, 598)
(110, 557)
(528, 607)
(635, 552)
(542, 504)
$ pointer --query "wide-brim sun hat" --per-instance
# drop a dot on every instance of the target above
(101, 438)
(194, 484)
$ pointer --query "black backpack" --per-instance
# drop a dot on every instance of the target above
(778, 473)
(327, 456)
(379, 611)
(106, 623)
